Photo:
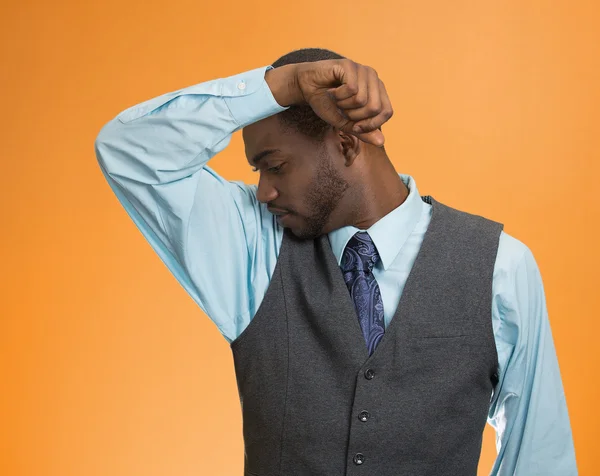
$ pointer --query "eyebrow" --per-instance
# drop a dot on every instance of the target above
(261, 155)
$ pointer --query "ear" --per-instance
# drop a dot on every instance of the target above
(351, 146)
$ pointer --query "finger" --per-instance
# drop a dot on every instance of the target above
(361, 98)
(373, 123)
(375, 138)
(346, 72)
(364, 83)
(373, 106)
(355, 89)
(326, 109)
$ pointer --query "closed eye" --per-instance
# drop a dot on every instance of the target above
(270, 169)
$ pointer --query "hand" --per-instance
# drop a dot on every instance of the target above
(345, 94)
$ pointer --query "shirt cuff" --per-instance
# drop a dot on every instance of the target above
(249, 97)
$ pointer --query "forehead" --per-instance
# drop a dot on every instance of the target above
(264, 134)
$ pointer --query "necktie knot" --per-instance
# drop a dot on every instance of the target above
(360, 254)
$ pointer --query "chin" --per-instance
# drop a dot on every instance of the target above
(304, 234)
(308, 229)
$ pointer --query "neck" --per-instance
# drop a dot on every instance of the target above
(378, 190)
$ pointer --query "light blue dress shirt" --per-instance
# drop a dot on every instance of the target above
(222, 245)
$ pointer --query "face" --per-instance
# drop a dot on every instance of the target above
(297, 175)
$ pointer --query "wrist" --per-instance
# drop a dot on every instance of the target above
(283, 83)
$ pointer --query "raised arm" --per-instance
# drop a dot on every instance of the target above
(154, 158)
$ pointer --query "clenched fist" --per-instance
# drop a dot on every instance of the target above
(345, 94)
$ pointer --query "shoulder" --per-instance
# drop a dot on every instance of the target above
(511, 252)
(517, 282)
(471, 226)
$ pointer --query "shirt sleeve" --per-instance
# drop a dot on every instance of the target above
(528, 409)
(203, 227)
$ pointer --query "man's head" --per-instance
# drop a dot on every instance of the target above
(304, 163)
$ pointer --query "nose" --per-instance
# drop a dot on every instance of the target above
(265, 192)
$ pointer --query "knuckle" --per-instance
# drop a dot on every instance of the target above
(352, 88)
(372, 108)
(372, 71)
(350, 114)
(388, 112)
(366, 125)
(361, 99)
(369, 110)
(348, 64)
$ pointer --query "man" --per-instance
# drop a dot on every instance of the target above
(374, 331)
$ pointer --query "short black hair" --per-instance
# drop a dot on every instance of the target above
(302, 118)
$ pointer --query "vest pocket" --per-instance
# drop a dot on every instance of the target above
(444, 336)
(460, 338)
(454, 360)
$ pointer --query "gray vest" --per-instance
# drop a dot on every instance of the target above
(315, 404)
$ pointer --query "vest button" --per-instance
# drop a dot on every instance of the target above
(359, 458)
(369, 374)
(363, 416)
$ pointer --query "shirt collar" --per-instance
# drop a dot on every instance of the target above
(390, 232)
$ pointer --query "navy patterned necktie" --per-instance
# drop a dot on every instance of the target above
(358, 260)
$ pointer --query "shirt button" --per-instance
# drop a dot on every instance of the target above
(359, 458)
(363, 416)
(241, 85)
(369, 374)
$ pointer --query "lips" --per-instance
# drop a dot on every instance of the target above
(277, 212)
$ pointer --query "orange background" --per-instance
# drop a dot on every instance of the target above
(107, 365)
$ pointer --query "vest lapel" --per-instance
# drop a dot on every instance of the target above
(353, 332)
